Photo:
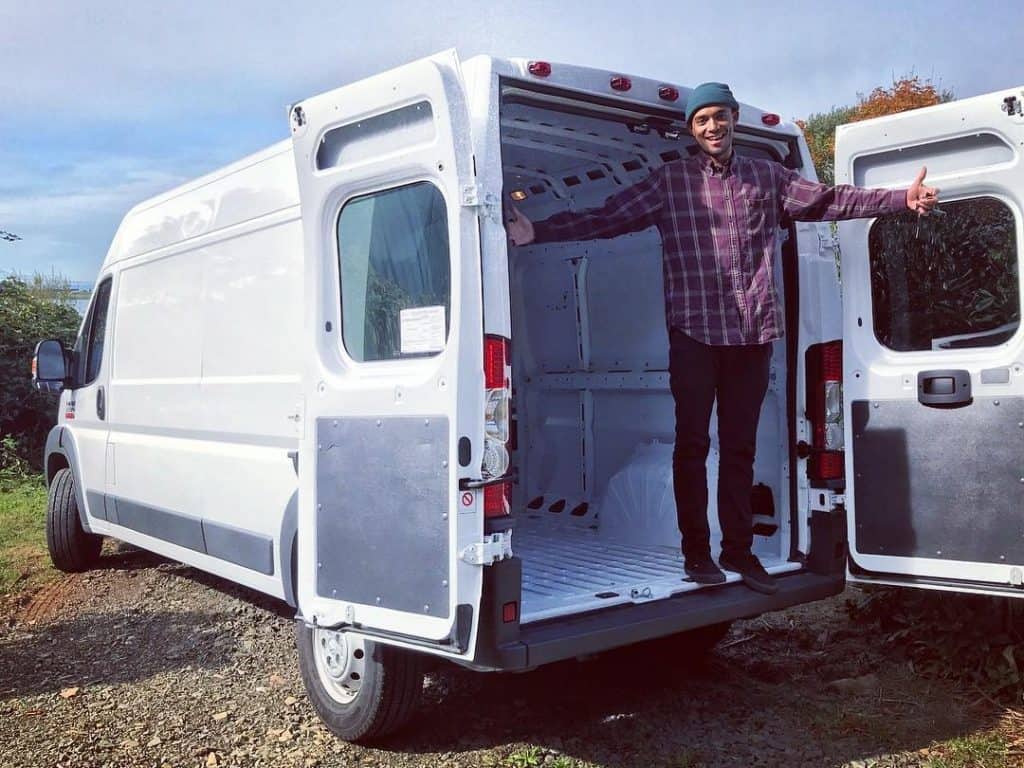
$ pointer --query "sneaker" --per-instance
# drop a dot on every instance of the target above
(704, 571)
(753, 573)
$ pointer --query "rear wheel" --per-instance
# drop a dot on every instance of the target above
(362, 690)
(72, 548)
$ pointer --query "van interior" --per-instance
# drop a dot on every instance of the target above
(593, 418)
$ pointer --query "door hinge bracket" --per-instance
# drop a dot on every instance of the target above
(494, 547)
(486, 205)
(1012, 106)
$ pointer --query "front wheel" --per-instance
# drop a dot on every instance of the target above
(362, 690)
(72, 548)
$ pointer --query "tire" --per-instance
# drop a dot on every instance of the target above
(363, 691)
(72, 548)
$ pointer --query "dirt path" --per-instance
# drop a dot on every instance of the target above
(149, 663)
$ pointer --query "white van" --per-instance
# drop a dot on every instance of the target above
(323, 373)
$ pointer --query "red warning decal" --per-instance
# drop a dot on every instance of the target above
(467, 499)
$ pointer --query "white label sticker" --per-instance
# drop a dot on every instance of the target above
(422, 330)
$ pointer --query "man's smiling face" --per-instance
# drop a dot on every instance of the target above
(712, 129)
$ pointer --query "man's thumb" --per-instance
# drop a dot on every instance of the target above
(920, 176)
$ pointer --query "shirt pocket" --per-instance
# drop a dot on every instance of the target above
(761, 215)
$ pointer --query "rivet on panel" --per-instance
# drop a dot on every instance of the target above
(334, 423)
(874, 405)
(377, 600)
(444, 463)
(334, 592)
(426, 608)
(444, 515)
(995, 402)
(379, 422)
(319, 506)
(319, 565)
(444, 582)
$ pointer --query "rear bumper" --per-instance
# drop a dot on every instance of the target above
(565, 638)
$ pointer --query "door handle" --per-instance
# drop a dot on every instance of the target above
(101, 405)
(944, 388)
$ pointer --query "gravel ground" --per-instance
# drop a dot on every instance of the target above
(150, 663)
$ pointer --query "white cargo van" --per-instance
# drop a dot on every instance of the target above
(323, 373)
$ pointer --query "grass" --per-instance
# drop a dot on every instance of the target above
(985, 750)
(22, 532)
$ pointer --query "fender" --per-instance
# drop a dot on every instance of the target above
(60, 443)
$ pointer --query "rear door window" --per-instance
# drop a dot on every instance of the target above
(395, 273)
(948, 280)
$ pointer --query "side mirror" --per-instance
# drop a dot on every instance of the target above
(49, 366)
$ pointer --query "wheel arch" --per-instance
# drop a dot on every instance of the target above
(60, 454)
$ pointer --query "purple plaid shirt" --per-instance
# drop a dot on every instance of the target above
(718, 230)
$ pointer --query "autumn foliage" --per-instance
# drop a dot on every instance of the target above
(908, 92)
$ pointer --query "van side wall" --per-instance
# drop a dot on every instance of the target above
(204, 374)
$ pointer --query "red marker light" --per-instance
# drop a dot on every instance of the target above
(770, 118)
(539, 68)
(620, 83)
(668, 93)
(509, 612)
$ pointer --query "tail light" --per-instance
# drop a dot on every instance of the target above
(620, 83)
(825, 412)
(668, 93)
(770, 118)
(497, 402)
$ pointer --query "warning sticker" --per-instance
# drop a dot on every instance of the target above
(467, 499)
(422, 330)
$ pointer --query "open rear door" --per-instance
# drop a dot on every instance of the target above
(934, 352)
(394, 361)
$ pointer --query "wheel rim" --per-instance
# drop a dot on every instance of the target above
(340, 662)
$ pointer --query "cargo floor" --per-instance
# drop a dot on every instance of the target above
(570, 569)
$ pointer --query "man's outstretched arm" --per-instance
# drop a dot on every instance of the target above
(809, 201)
(632, 209)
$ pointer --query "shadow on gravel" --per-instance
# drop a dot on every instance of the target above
(642, 706)
(109, 648)
(127, 558)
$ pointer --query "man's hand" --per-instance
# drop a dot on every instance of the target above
(919, 197)
(519, 228)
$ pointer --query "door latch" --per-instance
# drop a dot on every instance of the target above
(494, 547)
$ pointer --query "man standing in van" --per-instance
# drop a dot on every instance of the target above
(718, 214)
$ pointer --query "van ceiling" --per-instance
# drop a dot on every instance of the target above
(556, 149)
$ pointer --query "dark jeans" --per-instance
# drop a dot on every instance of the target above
(738, 377)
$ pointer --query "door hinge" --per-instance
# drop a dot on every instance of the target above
(486, 205)
(1012, 106)
(494, 547)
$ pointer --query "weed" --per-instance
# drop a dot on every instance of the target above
(525, 758)
(986, 750)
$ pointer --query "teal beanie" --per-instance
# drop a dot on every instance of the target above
(709, 94)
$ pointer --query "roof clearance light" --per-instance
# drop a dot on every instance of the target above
(668, 93)
(770, 118)
(539, 68)
(620, 83)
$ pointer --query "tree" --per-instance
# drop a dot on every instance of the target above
(29, 313)
(908, 92)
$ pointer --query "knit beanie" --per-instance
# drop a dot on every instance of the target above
(709, 94)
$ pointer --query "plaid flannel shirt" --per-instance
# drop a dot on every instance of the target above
(719, 237)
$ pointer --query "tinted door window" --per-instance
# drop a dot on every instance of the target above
(90, 344)
(395, 274)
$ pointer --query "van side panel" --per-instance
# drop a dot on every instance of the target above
(204, 396)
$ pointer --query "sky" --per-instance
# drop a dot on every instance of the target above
(104, 104)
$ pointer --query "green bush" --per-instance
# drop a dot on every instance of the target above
(29, 312)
